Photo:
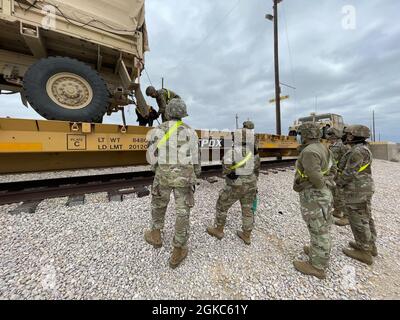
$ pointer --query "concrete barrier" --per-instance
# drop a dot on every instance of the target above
(385, 150)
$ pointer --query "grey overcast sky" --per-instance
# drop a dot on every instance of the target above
(218, 55)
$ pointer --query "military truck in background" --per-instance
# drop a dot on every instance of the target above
(73, 60)
(326, 120)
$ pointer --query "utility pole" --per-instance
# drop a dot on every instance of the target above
(237, 121)
(276, 58)
(373, 124)
(274, 18)
(162, 82)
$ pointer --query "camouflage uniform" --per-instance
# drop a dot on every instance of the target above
(241, 168)
(176, 169)
(242, 188)
(356, 180)
(338, 149)
(315, 170)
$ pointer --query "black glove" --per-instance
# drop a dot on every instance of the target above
(298, 187)
(232, 175)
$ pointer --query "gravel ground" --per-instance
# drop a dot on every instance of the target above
(97, 251)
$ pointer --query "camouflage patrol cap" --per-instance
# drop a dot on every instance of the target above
(150, 90)
(248, 125)
(176, 109)
(358, 130)
(334, 133)
(310, 130)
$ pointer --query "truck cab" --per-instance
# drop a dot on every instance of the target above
(325, 121)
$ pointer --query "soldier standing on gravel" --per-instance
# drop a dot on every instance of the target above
(338, 149)
(356, 180)
(315, 170)
(241, 168)
(163, 97)
(176, 167)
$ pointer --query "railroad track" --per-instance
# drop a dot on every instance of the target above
(30, 193)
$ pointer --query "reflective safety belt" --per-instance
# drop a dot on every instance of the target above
(169, 133)
(243, 162)
(324, 173)
(168, 95)
(303, 175)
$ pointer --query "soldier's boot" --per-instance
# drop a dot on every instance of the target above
(374, 250)
(306, 250)
(360, 255)
(178, 255)
(153, 237)
(337, 214)
(342, 222)
(245, 236)
(307, 268)
(217, 232)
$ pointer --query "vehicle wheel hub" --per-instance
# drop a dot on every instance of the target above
(69, 90)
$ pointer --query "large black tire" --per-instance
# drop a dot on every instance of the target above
(36, 80)
(292, 133)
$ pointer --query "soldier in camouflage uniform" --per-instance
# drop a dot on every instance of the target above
(176, 165)
(356, 180)
(163, 97)
(315, 171)
(241, 168)
(338, 149)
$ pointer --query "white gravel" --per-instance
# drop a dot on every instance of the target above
(97, 251)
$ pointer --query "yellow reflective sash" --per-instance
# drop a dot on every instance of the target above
(243, 162)
(364, 167)
(369, 163)
(169, 133)
(301, 173)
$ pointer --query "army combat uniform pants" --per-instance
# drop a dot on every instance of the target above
(339, 201)
(358, 209)
(228, 196)
(316, 209)
(184, 200)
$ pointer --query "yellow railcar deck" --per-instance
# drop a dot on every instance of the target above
(42, 145)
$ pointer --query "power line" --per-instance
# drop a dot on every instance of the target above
(148, 77)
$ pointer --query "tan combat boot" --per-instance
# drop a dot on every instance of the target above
(153, 237)
(360, 255)
(342, 222)
(245, 236)
(307, 268)
(178, 255)
(217, 232)
(374, 250)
